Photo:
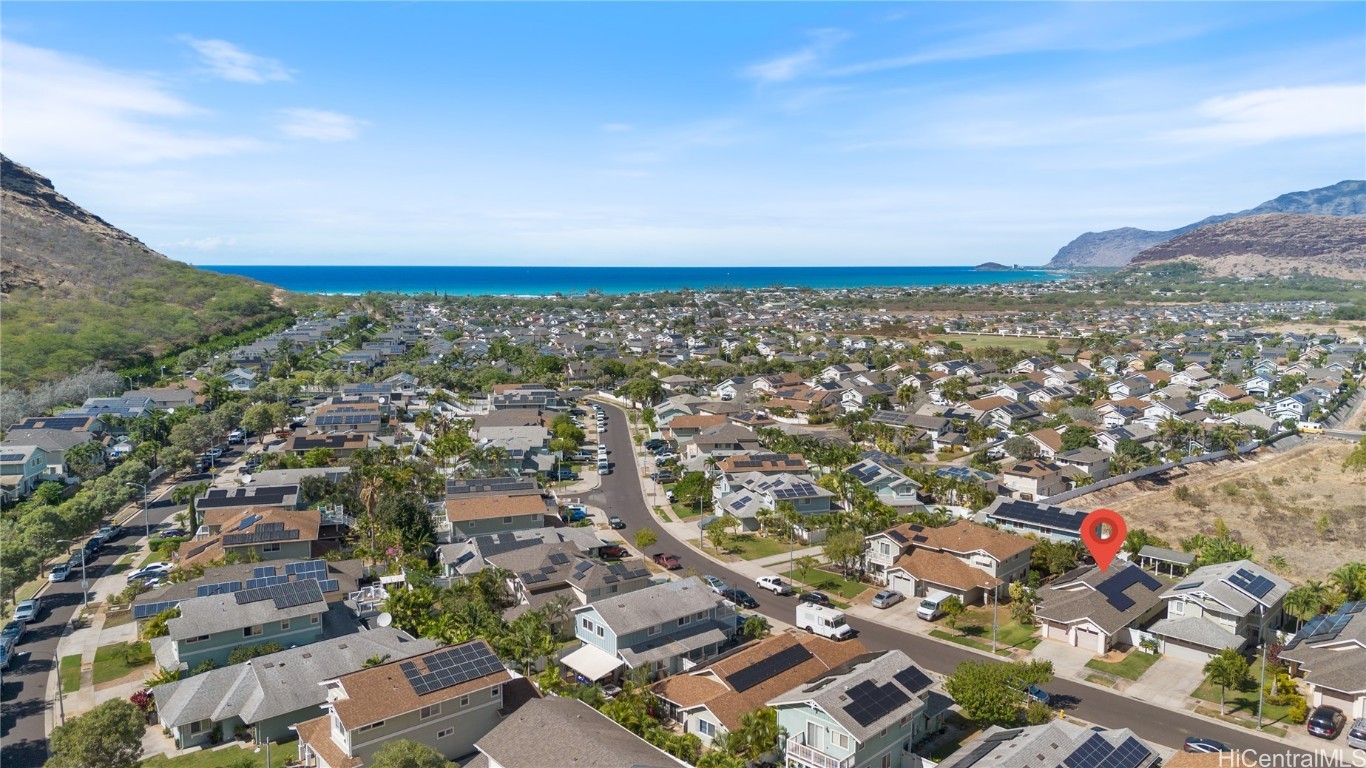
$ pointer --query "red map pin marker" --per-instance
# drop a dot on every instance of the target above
(1103, 533)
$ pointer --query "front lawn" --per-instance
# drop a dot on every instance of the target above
(751, 547)
(71, 673)
(970, 642)
(119, 660)
(1242, 703)
(1130, 667)
(975, 622)
(829, 583)
(227, 757)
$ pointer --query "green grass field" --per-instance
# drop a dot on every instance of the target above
(1130, 667)
(972, 342)
(751, 547)
(830, 583)
(970, 642)
(120, 660)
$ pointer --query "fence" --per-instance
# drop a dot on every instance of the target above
(1109, 482)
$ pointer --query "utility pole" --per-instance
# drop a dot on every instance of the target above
(85, 584)
(146, 526)
(1261, 635)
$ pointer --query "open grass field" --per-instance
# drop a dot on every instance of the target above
(1300, 505)
(1242, 703)
(830, 583)
(750, 546)
(972, 341)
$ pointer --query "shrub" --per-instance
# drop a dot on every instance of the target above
(1299, 711)
(244, 652)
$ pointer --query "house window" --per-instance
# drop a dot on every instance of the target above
(600, 632)
(886, 761)
(700, 615)
(445, 733)
(199, 726)
(652, 631)
(1178, 608)
(588, 625)
(612, 590)
(314, 619)
(429, 711)
(886, 548)
(270, 547)
(464, 701)
(193, 640)
(839, 739)
(370, 726)
(493, 692)
(254, 631)
(706, 728)
(507, 520)
(685, 621)
(471, 524)
(284, 625)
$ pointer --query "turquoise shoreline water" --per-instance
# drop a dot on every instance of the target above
(545, 281)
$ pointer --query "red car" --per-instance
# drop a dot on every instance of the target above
(614, 551)
(668, 562)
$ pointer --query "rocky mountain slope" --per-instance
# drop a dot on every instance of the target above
(1270, 244)
(1116, 247)
(77, 290)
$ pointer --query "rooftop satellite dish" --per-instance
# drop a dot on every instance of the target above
(384, 619)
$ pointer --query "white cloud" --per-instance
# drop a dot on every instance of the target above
(229, 62)
(1273, 114)
(319, 125)
(617, 127)
(61, 110)
(799, 62)
(205, 244)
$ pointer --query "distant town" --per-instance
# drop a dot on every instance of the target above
(817, 529)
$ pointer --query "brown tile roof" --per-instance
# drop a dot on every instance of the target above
(966, 536)
(1032, 468)
(763, 462)
(485, 507)
(301, 442)
(316, 733)
(698, 421)
(381, 692)
(1049, 437)
(987, 403)
(943, 568)
(305, 521)
(729, 705)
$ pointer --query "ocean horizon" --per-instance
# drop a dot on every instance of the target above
(577, 281)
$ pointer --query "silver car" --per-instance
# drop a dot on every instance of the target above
(887, 598)
(1356, 734)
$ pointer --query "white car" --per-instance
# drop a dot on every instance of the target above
(773, 584)
(59, 572)
(149, 570)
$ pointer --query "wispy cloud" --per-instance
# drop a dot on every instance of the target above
(1274, 114)
(230, 62)
(61, 109)
(319, 125)
(799, 62)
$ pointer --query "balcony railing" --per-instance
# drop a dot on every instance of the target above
(798, 750)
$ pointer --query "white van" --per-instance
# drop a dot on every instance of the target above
(932, 607)
(603, 467)
(823, 620)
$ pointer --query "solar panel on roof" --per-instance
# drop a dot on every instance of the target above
(912, 679)
(611, 578)
(330, 585)
(11, 457)
(1113, 588)
(581, 567)
(451, 667)
(897, 536)
(1189, 585)
(148, 610)
(766, 669)
(869, 702)
(978, 752)
(248, 522)
(559, 558)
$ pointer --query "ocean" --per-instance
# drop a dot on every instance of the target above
(545, 281)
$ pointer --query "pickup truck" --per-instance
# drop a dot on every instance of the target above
(773, 584)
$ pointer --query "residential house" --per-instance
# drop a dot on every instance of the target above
(339, 444)
(475, 515)
(872, 710)
(447, 699)
(1225, 606)
(559, 732)
(240, 379)
(663, 629)
(763, 463)
(543, 573)
(361, 416)
(1098, 610)
(209, 628)
(963, 558)
(21, 470)
(710, 700)
(1026, 517)
(168, 398)
(747, 495)
(888, 483)
(723, 440)
(1064, 743)
(1329, 652)
(1032, 480)
(270, 693)
(254, 533)
(54, 443)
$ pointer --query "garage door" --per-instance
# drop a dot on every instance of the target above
(902, 583)
(1089, 640)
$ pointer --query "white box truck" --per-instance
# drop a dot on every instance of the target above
(823, 620)
(932, 607)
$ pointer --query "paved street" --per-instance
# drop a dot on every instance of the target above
(621, 494)
(24, 699)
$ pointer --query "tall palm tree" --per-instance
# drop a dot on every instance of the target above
(1350, 580)
(1301, 603)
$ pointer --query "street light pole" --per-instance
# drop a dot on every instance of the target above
(1261, 635)
(85, 583)
(146, 526)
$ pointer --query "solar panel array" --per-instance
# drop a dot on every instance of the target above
(897, 536)
(265, 532)
(1096, 752)
(267, 581)
(262, 571)
(64, 423)
(347, 420)
(985, 747)
(864, 471)
(559, 558)
(264, 495)
(222, 588)
(488, 485)
(12, 456)
(1251, 583)
(1113, 588)
(306, 568)
(626, 572)
(869, 702)
(533, 577)
(1188, 585)
(766, 669)
(1040, 515)
(912, 679)
(286, 595)
(1326, 628)
(795, 491)
(148, 610)
(248, 522)
(447, 668)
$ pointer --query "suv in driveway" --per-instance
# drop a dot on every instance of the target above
(1324, 722)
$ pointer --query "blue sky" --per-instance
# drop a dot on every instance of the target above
(663, 134)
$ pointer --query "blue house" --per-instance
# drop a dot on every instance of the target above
(211, 627)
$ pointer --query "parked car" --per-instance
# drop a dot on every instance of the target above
(716, 585)
(13, 631)
(1038, 694)
(671, 496)
(665, 477)
(170, 533)
(566, 474)
(29, 610)
(887, 598)
(615, 523)
(150, 570)
(818, 598)
(575, 515)
(59, 572)
(773, 584)
(6, 651)
(110, 532)
(1356, 735)
(1201, 744)
(666, 561)
(1325, 722)
(740, 597)
(613, 551)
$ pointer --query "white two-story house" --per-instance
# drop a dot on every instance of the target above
(1228, 605)
(963, 559)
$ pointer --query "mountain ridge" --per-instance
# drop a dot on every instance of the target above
(1117, 247)
(1272, 244)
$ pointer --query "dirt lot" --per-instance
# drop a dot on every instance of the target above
(1344, 327)
(1299, 505)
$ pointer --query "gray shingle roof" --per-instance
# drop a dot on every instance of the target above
(220, 613)
(567, 732)
(829, 691)
(1198, 631)
(661, 603)
(1034, 746)
(1076, 596)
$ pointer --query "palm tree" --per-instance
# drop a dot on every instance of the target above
(215, 389)
(372, 484)
(1301, 603)
(1350, 580)
(1229, 668)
